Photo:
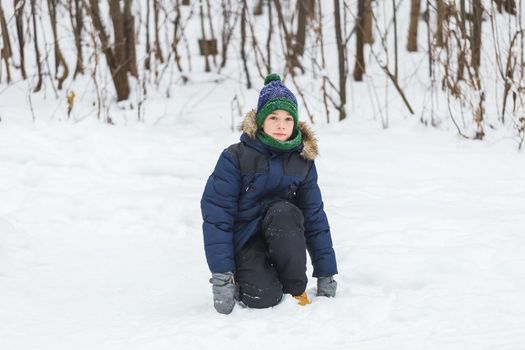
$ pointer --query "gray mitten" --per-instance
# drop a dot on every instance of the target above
(223, 292)
(326, 286)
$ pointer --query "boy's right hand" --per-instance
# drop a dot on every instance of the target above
(223, 292)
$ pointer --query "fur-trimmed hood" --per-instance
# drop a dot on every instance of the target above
(310, 150)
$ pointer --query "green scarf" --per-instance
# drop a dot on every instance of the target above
(287, 145)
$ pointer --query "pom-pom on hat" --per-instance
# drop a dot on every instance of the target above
(274, 95)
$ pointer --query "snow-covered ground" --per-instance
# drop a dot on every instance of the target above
(101, 243)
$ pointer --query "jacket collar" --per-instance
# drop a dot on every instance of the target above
(308, 150)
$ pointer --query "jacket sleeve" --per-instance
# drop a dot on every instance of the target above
(219, 208)
(317, 230)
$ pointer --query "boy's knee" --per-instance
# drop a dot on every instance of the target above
(259, 298)
(284, 209)
(283, 219)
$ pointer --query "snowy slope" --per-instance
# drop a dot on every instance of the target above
(101, 244)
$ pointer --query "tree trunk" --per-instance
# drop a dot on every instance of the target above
(75, 15)
(369, 23)
(306, 12)
(258, 9)
(323, 60)
(147, 60)
(6, 48)
(59, 58)
(243, 41)
(413, 26)
(341, 48)
(477, 12)
(269, 40)
(203, 38)
(359, 67)
(129, 29)
(394, 9)
(212, 32)
(176, 38)
(158, 50)
(117, 68)
(508, 5)
(120, 73)
(461, 51)
(441, 14)
(19, 17)
(429, 44)
(37, 50)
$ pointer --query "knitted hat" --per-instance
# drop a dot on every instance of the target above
(274, 95)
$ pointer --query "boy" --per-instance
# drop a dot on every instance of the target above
(262, 209)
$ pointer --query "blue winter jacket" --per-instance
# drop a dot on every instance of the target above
(248, 177)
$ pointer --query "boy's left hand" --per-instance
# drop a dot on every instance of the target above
(326, 286)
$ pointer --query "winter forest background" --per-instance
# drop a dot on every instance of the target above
(467, 57)
(113, 114)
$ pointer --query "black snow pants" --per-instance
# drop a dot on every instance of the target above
(273, 261)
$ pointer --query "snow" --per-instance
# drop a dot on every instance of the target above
(101, 243)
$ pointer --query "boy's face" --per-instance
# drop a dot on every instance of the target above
(279, 125)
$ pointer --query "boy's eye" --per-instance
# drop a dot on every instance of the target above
(289, 119)
(272, 117)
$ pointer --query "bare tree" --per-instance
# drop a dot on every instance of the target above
(203, 39)
(129, 31)
(368, 26)
(59, 57)
(341, 54)
(119, 33)
(477, 13)
(37, 49)
(229, 20)
(158, 51)
(178, 31)
(305, 14)
(508, 6)
(413, 27)
(6, 48)
(75, 8)
(320, 38)
(510, 69)
(19, 17)
(394, 8)
(258, 9)
(115, 57)
(359, 67)
(212, 43)
(441, 13)
(243, 41)
(429, 47)
(467, 90)
(461, 19)
(258, 55)
(147, 60)
(269, 38)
